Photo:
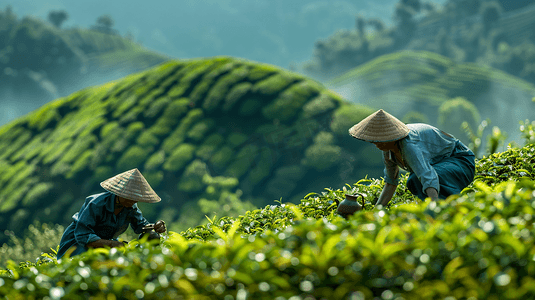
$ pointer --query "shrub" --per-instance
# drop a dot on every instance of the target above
(156, 107)
(198, 131)
(178, 135)
(250, 106)
(155, 160)
(191, 180)
(179, 157)
(290, 102)
(221, 89)
(415, 117)
(147, 139)
(259, 72)
(210, 145)
(284, 180)
(322, 154)
(321, 157)
(77, 148)
(37, 193)
(528, 132)
(154, 177)
(235, 94)
(221, 158)
(133, 158)
(243, 161)
(348, 115)
(319, 105)
(476, 244)
(82, 163)
(103, 172)
(261, 167)
(39, 238)
(274, 84)
(452, 113)
(235, 139)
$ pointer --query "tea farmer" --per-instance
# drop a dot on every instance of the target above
(439, 164)
(103, 217)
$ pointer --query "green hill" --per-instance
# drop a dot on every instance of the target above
(218, 131)
(421, 81)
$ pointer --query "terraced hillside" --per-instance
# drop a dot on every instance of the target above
(420, 81)
(197, 129)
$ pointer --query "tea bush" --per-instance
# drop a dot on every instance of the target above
(39, 238)
(476, 245)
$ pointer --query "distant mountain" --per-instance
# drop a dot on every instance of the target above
(205, 130)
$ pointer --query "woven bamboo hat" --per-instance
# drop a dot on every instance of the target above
(379, 127)
(131, 185)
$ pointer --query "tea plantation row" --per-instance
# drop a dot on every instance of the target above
(477, 245)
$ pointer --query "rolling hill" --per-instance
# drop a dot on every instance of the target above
(211, 130)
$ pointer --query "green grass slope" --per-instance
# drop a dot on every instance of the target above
(418, 80)
(477, 245)
(209, 131)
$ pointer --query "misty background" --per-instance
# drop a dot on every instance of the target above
(277, 32)
(283, 33)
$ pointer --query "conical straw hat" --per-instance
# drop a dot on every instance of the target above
(131, 185)
(379, 127)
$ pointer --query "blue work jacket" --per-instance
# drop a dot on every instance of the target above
(425, 146)
(96, 220)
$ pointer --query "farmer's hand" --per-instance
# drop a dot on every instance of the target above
(160, 226)
(105, 243)
(432, 193)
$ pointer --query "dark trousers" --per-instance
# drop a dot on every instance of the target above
(454, 173)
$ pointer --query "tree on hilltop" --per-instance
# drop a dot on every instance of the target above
(104, 24)
(57, 17)
(490, 12)
(360, 23)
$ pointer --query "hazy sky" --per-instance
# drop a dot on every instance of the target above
(284, 30)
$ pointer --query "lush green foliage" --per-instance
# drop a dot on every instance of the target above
(38, 239)
(168, 123)
(478, 244)
(454, 112)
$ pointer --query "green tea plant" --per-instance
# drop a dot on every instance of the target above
(39, 238)
(476, 245)
(494, 140)
(528, 131)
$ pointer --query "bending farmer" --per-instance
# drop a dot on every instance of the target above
(439, 164)
(103, 217)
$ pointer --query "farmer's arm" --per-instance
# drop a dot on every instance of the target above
(391, 172)
(386, 195)
(105, 243)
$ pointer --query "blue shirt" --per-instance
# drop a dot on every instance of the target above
(423, 147)
(96, 220)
